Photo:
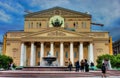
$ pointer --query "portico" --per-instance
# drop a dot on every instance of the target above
(62, 50)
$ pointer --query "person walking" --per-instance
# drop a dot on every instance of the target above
(86, 66)
(82, 66)
(77, 65)
(92, 66)
(69, 65)
(103, 69)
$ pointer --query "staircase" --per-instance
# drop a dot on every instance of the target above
(56, 74)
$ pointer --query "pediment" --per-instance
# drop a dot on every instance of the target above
(55, 33)
(57, 11)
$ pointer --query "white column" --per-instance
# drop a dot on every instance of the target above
(22, 55)
(41, 51)
(61, 54)
(90, 53)
(71, 53)
(81, 51)
(32, 55)
(52, 49)
(25, 55)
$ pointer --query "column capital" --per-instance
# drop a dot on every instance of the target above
(81, 42)
(41, 42)
(71, 42)
(51, 42)
(91, 42)
(32, 42)
(61, 42)
(22, 42)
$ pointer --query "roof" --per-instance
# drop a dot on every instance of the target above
(57, 8)
(15, 30)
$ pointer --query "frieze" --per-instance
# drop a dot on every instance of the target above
(99, 35)
(78, 19)
(64, 39)
(36, 19)
(15, 34)
(96, 35)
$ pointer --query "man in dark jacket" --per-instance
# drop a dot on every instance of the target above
(77, 65)
(103, 69)
(86, 66)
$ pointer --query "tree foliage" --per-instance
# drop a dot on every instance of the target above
(115, 60)
(5, 61)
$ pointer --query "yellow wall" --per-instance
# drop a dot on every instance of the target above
(4, 45)
(110, 46)
(68, 22)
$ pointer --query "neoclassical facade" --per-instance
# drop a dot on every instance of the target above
(61, 32)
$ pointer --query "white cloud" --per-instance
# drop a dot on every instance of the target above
(49, 3)
(4, 16)
(108, 10)
(8, 9)
(12, 6)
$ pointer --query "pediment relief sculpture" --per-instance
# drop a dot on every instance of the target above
(56, 33)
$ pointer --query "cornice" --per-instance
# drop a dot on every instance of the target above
(56, 8)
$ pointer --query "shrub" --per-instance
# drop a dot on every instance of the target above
(105, 57)
(5, 61)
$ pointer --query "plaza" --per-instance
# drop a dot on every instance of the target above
(58, 74)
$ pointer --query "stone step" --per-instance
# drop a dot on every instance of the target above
(56, 74)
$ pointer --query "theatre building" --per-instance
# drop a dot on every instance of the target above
(58, 31)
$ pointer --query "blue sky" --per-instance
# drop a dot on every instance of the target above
(106, 12)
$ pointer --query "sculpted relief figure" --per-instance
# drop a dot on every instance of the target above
(57, 23)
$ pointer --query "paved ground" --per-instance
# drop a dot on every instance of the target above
(57, 74)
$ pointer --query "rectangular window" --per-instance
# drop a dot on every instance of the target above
(47, 53)
(83, 24)
(38, 54)
(66, 54)
(57, 54)
(37, 25)
(75, 55)
(28, 24)
(40, 24)
(31, 24)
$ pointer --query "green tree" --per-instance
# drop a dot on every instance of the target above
(104, 57)
(5, 61)
(115, 60)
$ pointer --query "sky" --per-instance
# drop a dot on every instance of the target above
(105, 12)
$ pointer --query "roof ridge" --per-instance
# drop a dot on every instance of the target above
(57, 7)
